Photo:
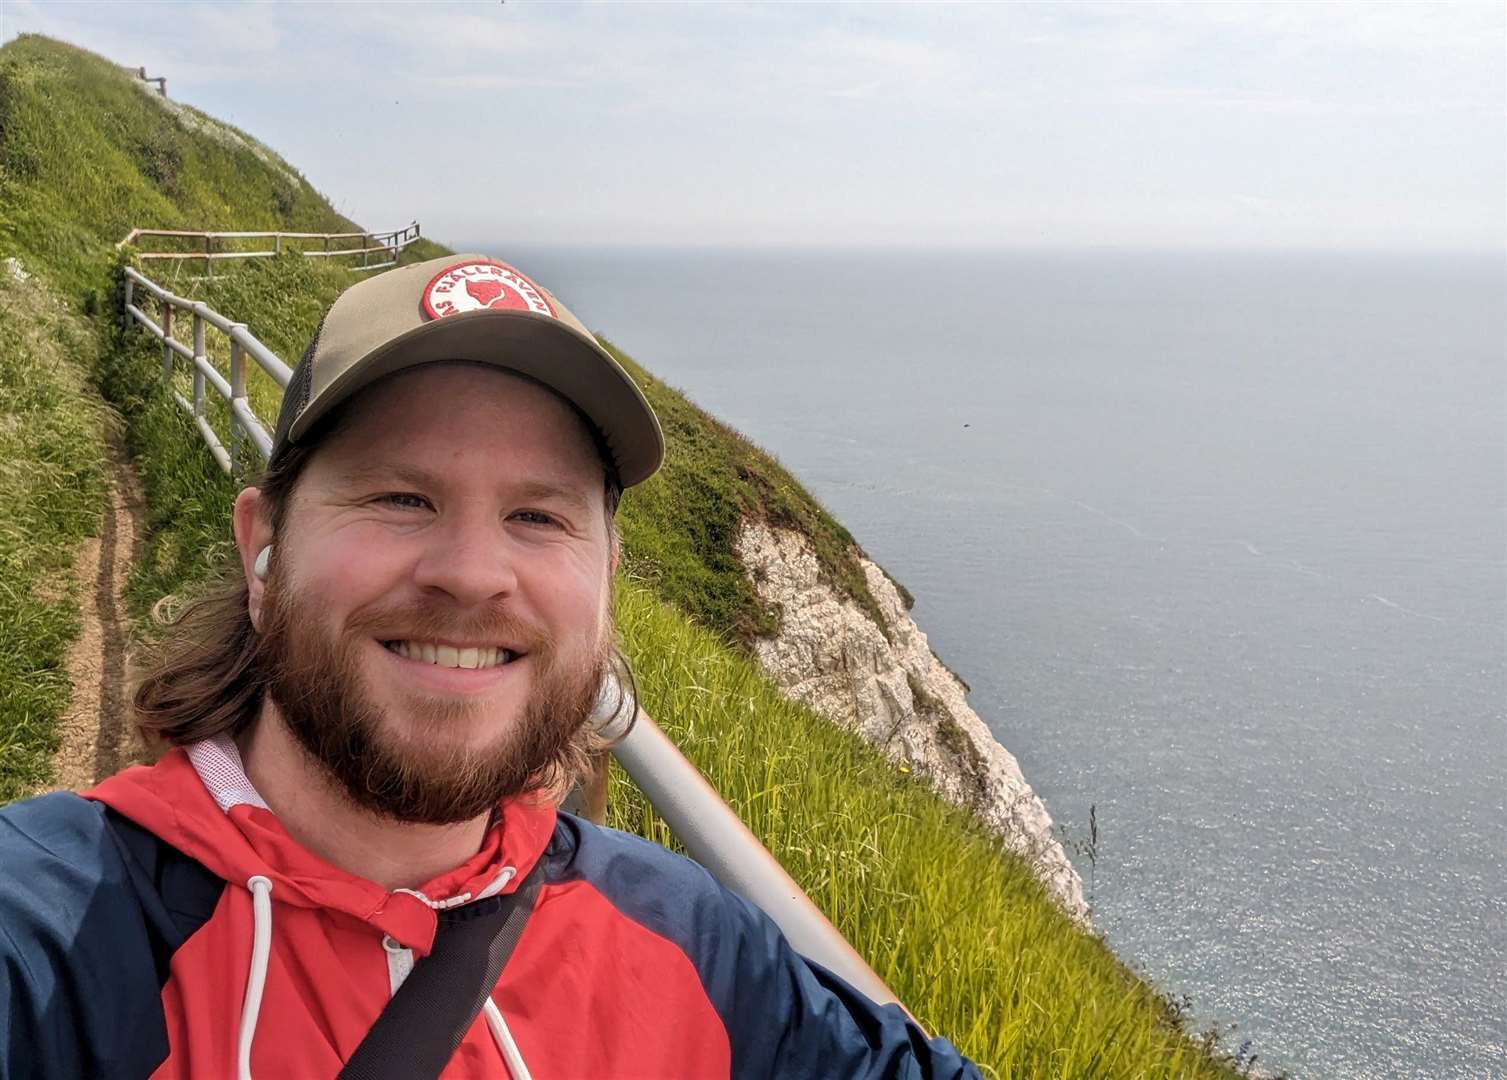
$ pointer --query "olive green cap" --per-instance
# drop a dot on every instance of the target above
(470, 307)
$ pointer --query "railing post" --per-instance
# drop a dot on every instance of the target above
(198, 372)
(198, 336)
(277, 244)
(167, 337)
(209, 264)
(130, 295)
(237, 393)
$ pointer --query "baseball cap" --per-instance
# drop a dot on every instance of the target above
(469, 307)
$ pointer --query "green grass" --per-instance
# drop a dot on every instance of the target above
(959, 928)
(52, 490)
(86, 155)
(961, 931)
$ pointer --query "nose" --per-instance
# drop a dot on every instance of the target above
(469, 558)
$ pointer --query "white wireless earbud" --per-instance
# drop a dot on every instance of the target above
(259, 568)
(615, 708)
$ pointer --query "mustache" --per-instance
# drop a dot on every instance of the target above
(433, 619)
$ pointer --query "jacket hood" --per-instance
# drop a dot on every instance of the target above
(199, 800)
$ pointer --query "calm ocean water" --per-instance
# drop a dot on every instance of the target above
(1220, 543)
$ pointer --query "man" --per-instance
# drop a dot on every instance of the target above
(371, 721)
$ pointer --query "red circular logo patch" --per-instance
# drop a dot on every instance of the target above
(472, 286)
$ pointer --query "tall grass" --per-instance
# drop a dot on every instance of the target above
(959, 929)
(51, 496)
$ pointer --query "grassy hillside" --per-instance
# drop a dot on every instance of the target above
(959, 928)
(52, 489)
(87, 153)
(126, 158)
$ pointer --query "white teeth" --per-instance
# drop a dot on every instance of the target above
(471, 657)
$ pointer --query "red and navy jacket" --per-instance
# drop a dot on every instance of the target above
(128, 918)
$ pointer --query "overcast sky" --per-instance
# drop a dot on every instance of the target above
(1307, 125)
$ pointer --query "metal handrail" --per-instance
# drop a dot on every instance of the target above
(715, 836)
(710, 830)
(391, 243)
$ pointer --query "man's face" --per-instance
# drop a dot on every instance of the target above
(437, 618)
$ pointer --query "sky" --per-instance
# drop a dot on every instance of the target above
(1369, 126)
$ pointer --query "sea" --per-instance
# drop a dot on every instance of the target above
(1219, 540)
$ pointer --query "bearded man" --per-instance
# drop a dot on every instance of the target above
(371, 721)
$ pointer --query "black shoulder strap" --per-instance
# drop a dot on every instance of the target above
(416, 1035)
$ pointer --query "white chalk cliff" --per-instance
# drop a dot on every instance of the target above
(894, 691)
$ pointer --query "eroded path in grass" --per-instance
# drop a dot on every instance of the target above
(95, 734)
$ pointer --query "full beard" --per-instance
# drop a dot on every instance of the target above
(423, 774)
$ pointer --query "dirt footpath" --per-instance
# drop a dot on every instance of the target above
(97, 738)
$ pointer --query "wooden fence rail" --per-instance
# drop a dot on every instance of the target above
(389, 244)
(244, 424)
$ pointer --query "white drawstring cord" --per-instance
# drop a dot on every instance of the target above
(438, 905)
(505, 875)
(399, 962)
(256, 981)
(504, 1040)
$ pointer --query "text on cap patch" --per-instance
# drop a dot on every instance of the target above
(478, 284)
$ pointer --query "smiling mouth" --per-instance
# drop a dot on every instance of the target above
(451, 656)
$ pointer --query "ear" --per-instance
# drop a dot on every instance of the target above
(253, 532)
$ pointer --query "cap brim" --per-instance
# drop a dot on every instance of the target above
(544, 349)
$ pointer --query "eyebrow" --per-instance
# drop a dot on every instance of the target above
(360, 475)
(545, 491)
(417, 477)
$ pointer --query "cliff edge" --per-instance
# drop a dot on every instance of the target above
(886, 684)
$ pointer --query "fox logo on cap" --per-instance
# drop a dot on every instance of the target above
(472, 286)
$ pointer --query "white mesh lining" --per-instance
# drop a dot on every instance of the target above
(218, 763)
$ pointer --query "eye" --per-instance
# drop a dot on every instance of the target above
(534, 517)
(404, 500)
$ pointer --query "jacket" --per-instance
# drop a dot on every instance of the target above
(241, 953)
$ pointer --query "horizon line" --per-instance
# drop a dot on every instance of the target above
(1481, 251)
